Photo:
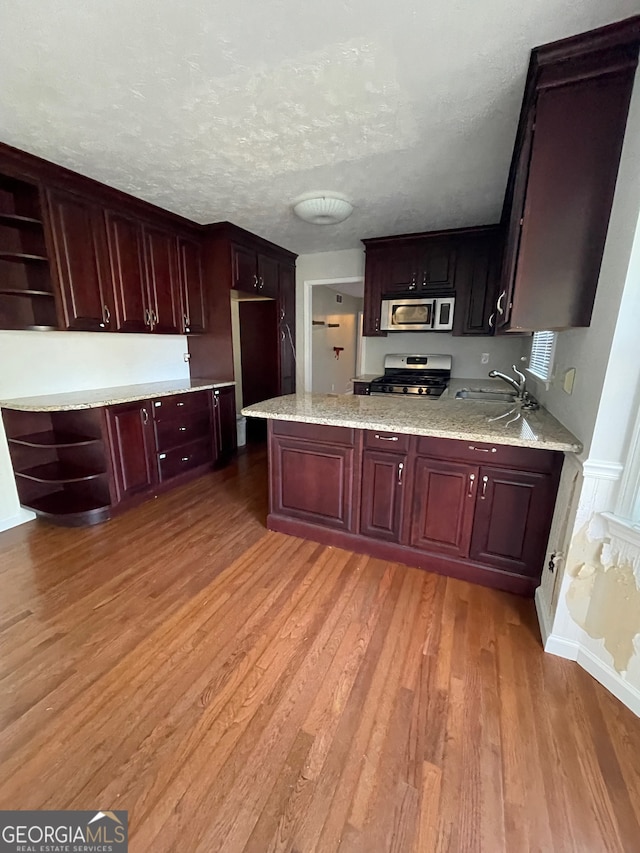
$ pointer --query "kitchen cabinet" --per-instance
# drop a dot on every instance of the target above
(442, 511)
(27, 297)
(132, 447)
(194, 315)
(128, 273)
(254, 272)
(383, 483)
(361, 389)
(162, 286)
(511, 522)
(464, 262)
(312, 476)
(78, 232)
(224, 424)
(472, 510)
(562, 178)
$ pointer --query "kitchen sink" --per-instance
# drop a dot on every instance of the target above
(487, 396)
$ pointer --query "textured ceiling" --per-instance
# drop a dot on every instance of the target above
(230, 109)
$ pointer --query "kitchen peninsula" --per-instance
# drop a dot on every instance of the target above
(462, 487)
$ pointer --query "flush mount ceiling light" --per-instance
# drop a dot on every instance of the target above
(322, 208)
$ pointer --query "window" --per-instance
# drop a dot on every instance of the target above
(542, 350)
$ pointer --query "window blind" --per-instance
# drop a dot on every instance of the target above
(542, 350)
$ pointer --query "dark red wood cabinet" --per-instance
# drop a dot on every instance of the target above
(125, 243)
(79, 237)
(424, 501)
(194, 312)
(132, 448)
(287, 327)
(225, 434)
(254, 272)
(383, 486)
(562, 177)
(162, 281)
(463, 262)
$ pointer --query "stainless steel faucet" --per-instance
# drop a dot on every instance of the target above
(519, 384)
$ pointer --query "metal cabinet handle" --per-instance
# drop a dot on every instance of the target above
(483, 494)
(282, 314)
(182, 429)
(106, 314)
(282, 335)
(187, 322)
(185, 458)
(255, 282)
(145, 416)
(472, 479)
(261, 283)
(377, 324)
(492, 320)
(154, 318)
(413, 284)
(482, 449)
(400, 470)
(147, 317)
(386, 437)
(499, 307)
(215, 400)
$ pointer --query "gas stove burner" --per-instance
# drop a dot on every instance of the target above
(425, 376)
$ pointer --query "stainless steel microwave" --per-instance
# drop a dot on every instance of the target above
(417, 315)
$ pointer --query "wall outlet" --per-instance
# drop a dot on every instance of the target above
(338, 297)
(484, 358)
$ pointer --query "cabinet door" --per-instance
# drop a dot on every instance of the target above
(132, 448)
(162, 280)
(126, 258)
(312, 482)
(438, 266)
(512, 520)
(193, 300)
(268, 273)
(443, 504)
(224, 424)
(477, 277)
(401, 270)
(244, 264)
(373, 277)
(382, 494)
(78, 238)
(287, 328)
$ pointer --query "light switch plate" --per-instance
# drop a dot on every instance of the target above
(569, 379)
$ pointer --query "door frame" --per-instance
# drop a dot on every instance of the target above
(307, 316)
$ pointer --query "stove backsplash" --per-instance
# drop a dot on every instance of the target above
(466, 352)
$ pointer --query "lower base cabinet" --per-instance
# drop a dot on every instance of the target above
(77, 468)
(422, 501)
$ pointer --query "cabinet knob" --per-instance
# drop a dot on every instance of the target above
(185, 458)
(180, 404)
(182, 429)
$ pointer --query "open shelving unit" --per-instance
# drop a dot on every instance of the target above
(26, 293)
(61, 464)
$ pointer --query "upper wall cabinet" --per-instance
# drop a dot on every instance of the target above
(562, 179)
(254, 272)
(461, 262)
(77, 255)
(78, 234)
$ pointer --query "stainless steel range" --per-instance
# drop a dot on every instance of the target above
(426, 376)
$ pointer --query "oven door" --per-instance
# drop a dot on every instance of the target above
(407, 314)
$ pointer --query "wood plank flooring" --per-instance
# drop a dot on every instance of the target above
(243, 691)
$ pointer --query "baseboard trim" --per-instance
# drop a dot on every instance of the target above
(15, 520)
(541, 611)
(610, 679)
(598, 669)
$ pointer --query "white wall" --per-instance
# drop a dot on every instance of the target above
(331, 374)
(466, 352)
(321, 266)
(33, 363)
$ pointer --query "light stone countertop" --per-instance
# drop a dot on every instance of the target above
(446, 417)
(95, 398)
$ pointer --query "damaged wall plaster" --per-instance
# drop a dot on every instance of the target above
(603, 597)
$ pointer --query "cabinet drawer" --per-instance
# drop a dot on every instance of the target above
(174, 462)
(482, 453)
(180, 404)
(392, 441)
(182, 429)
(315, 432)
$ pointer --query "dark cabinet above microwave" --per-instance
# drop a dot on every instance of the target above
(463, 263)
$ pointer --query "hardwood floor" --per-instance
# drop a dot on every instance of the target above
(241, 690)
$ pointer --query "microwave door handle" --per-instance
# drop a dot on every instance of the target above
(435, 320)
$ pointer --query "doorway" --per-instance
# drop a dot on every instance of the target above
(335, 312)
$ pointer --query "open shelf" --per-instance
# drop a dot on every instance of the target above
(16, 220)
(69, 509)
(59, 472)
(23, 258)
(49, 438)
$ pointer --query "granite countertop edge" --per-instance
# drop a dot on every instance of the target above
(95, 399)
(566, 443)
